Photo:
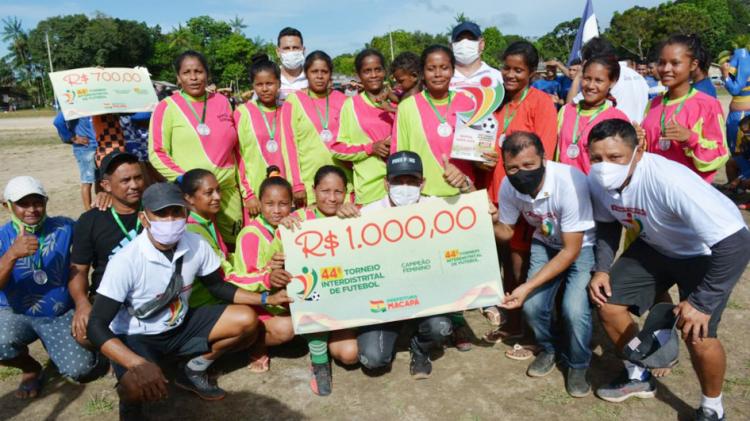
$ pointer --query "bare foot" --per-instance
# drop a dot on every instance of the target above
(31, 385)
(260, 364)
(663, 372)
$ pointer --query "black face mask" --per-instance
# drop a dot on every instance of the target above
(526, 181)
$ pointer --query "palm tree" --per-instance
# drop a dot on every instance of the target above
(181, 38)
(14, 34)
(237, 24)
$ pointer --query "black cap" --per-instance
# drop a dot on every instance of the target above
(113, 158)
(162, 195)
(657, 344)
(404, 163)
(469, 27)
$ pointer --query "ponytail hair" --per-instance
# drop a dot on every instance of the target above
(694, 46)
(191, 180)
(275, 181)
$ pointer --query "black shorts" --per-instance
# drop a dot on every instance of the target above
(189, 338)
(642, 274)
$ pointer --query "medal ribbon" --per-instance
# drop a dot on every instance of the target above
(323, 123)
(272, 130)
(434, 108)
(122, 226)
(510, 116)
(208, 225)
(190, 104)
(664, 101)
(576, 133)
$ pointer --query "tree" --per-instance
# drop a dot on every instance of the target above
(237, 24)
(633, 31)
(558, 43)
(344, 64)
(405, 41)
(494, 45)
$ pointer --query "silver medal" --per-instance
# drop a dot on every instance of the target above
(444, 129)
(664, 144)
(39, 276)
(326, 135)
(203, 129)
(500, 141)
(573, 151)
(272, 146)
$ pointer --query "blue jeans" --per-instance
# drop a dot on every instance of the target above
(574, 345)
(86, 159)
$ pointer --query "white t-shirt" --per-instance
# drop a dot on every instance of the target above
(631, 93)
(671, 207)
(140, 272)
(562, 205)
(289, 86)
(485, 76)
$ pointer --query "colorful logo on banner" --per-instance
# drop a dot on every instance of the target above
(377, 306)
(309, 281)
(486, 101)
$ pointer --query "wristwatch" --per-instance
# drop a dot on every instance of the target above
(264, 298)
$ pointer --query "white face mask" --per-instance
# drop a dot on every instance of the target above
(609, 175)
(292, 60)
(404, 194)
(167, 232)
(466, 51)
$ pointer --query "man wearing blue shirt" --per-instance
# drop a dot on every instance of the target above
(701, 81)
(34, 299)
(80, 133)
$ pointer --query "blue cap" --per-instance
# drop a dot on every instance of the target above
(469, 27)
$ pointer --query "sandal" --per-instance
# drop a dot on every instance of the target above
(498, 335)
(494, 315)
(260, 365)
(664, 371)
(31, 386)
(520, 352)
(744, 206)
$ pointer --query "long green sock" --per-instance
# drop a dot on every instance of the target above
(458, 319)
(317, 343)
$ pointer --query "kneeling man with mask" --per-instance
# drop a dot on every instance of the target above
(377, 343)
(141, 312)
(554, 199)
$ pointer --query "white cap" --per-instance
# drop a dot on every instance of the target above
(20, 187)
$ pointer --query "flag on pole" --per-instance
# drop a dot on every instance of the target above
(587, 30)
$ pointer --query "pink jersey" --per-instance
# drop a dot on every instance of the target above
(706, 150)
(566, 122)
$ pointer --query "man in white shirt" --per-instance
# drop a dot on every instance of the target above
(467, 44)
(141, 312)
(291, 52)
(554, 199)
(631, 89)
(689, 234)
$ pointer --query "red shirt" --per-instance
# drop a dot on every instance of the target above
(536, 114)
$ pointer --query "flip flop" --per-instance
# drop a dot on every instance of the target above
(520, 352)
(260, 365)
(498, 335)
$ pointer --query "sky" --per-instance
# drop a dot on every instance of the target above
(336, 26)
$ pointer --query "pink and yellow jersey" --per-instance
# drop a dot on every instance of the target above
(256, 246)
(304, 150)
(206, 229)
(175, 147)
(362, 124)
(706, 150)
(566, 122)
(257, 150)
(416, 130)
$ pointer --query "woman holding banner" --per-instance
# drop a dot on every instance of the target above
(365, 132)
(329, 188)
(309, 124)
(256, 256)
(194, 129)
(425, 124)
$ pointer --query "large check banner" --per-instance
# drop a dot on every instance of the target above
(400, 263)
(95, 90)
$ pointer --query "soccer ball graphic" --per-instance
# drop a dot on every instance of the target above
(315, 296)
(488, 125)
